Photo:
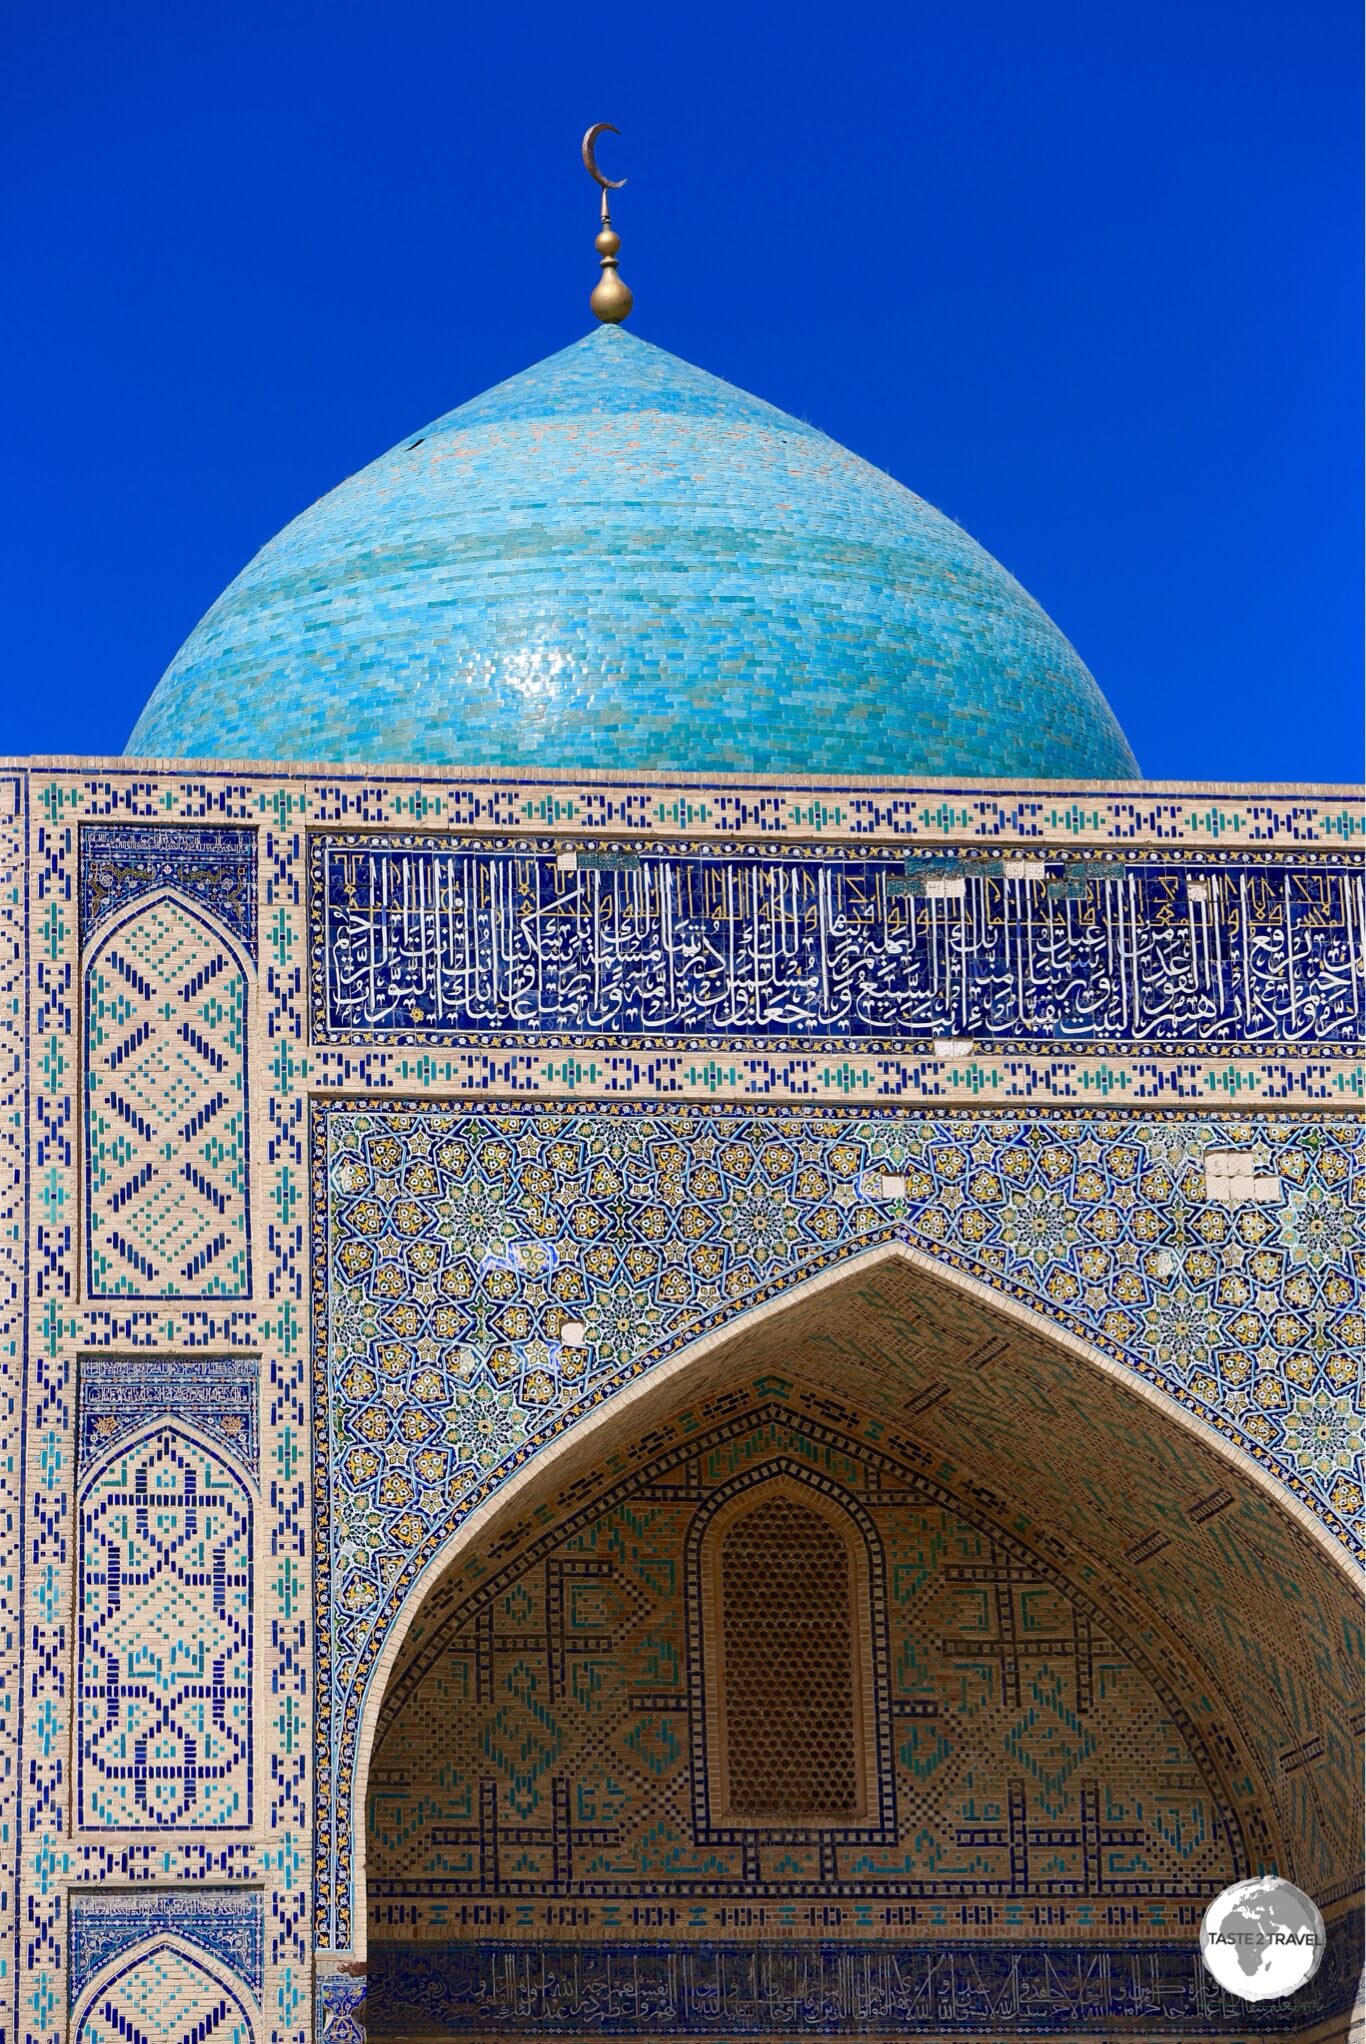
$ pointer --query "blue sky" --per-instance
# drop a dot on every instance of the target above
(1085, 276)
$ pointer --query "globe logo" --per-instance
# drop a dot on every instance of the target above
(1262, 1939)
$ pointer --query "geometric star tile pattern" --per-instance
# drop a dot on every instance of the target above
(1281, 1377)
(458, 1244)
(453, 1246)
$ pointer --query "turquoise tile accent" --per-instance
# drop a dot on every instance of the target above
(616, 561)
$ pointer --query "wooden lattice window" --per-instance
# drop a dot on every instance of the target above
(785, 1636)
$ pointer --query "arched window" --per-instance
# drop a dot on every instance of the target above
(787, 1675)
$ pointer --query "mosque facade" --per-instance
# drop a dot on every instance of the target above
(685, 1315)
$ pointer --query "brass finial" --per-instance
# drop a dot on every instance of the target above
(611, 299)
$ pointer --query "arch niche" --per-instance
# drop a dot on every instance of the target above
(165, 1988)
(785, 1621)
(1097, 1669)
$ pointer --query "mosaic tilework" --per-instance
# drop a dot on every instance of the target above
(616, 561)
(339, 2008)
(879, 810)
(66, 796)
(166, 1007)
(218, 1395)
(164, 1653)
(477, 1234)
(417, 940)
(880, 1994)
(46, 1851)
(164, 1994)
(1131, 1083)
(43, 1446)
(1172, 1551)
(216, 868)
(454, 1245)
(482, 1646)
(225, 1923)
(13, 1344)
(560, 1739)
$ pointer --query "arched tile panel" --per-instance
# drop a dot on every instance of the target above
(164, 1657)
(163, 1993)
(166, 1121)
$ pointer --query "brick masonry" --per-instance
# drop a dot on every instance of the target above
(661, 1196)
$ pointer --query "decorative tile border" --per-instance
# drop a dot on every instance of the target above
(14, 1320)
(788, 1991)
(47, 887)
(712, 807)
(1131, 1084)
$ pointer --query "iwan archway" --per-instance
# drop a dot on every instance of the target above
(884, 1664)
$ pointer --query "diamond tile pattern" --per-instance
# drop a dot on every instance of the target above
(166, 1016)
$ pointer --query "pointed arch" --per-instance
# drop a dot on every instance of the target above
(550, 1704)
(166, 992)
(164, 1662)
(1222, 1506)
(163, 1991)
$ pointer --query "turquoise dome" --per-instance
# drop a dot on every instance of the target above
(616, 561)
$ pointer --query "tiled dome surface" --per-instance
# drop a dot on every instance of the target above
(615, 560)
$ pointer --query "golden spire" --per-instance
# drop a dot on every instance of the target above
(611, 299)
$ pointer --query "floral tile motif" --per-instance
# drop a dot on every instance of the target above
(213, 866)
(55, 914)
(119, 1394)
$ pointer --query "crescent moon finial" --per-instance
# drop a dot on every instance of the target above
(590, 161)
(611, 299)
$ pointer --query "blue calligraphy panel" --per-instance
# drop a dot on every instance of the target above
(439, 941)
(931, 1988)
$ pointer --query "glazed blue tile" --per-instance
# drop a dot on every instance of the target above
(616, 561)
